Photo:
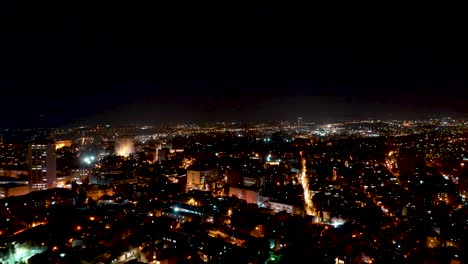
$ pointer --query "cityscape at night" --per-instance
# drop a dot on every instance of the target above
(259, 134)
(362, 191)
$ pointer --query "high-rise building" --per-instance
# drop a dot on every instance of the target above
(42, 165)
(163, 154)
(163, 151)
(299, 122)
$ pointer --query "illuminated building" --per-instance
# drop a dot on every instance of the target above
(13, 189)
(124, 146)
(42, 166)
(63, 143)
(12, 173)
(163, 152)
(201, 177)
(77, 175)
(282, 207)
(249, 194)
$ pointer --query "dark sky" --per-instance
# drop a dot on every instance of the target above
(113, 63)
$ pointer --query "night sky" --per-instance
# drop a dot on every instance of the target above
(149, 64)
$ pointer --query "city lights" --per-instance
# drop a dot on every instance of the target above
(265, 134)
(89, 159)
(354, 188)
(304, 181)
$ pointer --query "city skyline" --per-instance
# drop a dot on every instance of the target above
(210, 193)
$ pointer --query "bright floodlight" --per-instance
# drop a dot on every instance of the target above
(87, 160)
(336, 222)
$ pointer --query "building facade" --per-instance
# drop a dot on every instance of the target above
(63, 143)
(201, 178)
(249, 194)
(42, 166)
